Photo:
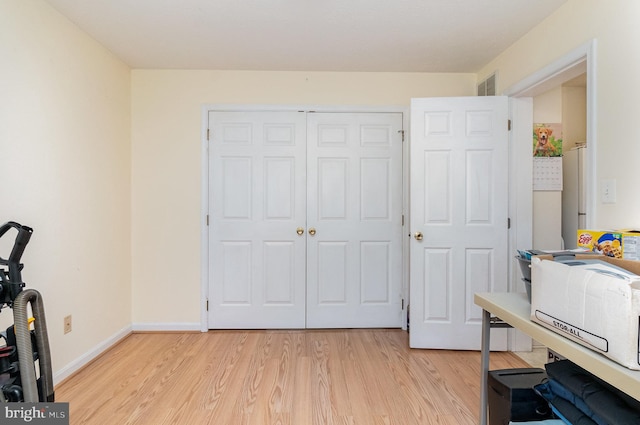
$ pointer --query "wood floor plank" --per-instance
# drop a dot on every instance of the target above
(308, 377)
(302, 394)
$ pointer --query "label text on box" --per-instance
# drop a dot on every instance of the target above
(587, 338)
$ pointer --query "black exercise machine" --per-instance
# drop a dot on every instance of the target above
(25, 359)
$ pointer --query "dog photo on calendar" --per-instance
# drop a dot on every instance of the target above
(547, 140)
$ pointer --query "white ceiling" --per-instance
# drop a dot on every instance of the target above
(306, 35)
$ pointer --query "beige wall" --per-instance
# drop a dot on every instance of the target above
(574, 116)
(166, 140)
(614, 26)
(65, 171)
(547, 204)
(547, 107)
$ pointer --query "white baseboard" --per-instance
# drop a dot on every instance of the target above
(167, 327)
(89, 356)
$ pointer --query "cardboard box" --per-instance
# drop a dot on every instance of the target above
(630, 244)
(623, 243)
(598, 309)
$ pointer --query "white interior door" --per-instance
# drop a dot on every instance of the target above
(459, 204)
(354, 220)
(257, 201)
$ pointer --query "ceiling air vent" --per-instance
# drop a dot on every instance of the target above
(488, 87)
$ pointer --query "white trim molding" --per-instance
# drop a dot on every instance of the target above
(82, 361)
(166, 327)
(578, 61)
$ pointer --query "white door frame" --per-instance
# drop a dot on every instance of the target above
(576, 62)
(204, 194)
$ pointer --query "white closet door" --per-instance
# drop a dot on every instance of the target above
(257, 201)
(354, 200)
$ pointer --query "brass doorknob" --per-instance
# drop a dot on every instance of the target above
(312, 231)
(418, 236)
(299, 231)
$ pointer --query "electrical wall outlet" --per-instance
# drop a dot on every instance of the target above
(67, 324)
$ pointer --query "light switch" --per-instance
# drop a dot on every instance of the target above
(608, 191)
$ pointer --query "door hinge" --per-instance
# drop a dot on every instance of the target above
(403, 219)
(207, 305)
(207, 134)
(508, 223)
(508, 125)
(207, 219)
(402, 133)
(402, 304)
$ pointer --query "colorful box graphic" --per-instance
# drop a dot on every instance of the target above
(602, 242)
(623, 244)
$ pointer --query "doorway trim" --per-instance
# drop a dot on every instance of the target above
(204, 194)
(576, 62)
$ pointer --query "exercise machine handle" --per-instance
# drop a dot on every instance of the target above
(21, 241)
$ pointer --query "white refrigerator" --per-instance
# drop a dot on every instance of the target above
(574, 214)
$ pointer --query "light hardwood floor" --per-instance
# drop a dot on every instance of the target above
(278, 377)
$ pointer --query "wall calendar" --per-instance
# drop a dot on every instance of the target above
(547, 173)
